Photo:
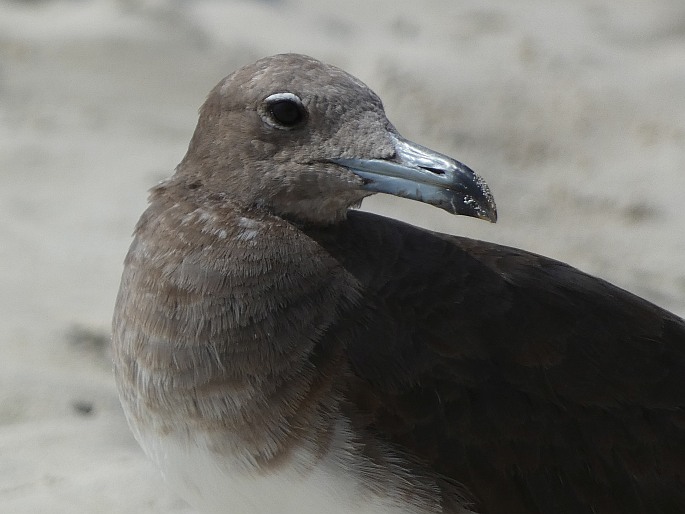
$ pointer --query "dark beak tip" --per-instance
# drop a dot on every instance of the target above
(482, 201)
(486, 212)
(491, 211)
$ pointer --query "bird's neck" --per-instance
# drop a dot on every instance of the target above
(223, 375)
(224, 327)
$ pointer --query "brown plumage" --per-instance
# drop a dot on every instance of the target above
(265, 334)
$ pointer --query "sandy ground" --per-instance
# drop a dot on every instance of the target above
(574, 112)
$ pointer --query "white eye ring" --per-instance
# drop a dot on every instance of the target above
(269, 116)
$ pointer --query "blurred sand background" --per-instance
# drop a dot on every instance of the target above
(573, 111)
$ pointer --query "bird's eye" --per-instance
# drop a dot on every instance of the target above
(284, 110)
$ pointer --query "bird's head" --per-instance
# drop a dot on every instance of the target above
(306, 141)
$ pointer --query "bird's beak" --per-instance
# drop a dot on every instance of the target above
(419, 173)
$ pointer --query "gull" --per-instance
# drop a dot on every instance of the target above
(277, 351)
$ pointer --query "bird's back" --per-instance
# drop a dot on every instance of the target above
(539, 388)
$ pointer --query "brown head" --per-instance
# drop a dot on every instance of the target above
(305, 141)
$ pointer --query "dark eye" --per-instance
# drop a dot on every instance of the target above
(284, 111)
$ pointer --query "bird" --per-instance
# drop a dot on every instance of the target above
(277, 350)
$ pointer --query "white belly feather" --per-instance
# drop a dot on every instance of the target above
(216, 484)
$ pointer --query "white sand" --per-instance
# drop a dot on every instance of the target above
(575, 114)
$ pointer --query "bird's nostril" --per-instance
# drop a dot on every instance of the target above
(437, 171)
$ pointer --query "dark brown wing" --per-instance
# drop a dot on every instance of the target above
(538, 387)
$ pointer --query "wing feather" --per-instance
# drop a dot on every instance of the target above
(540, 388)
